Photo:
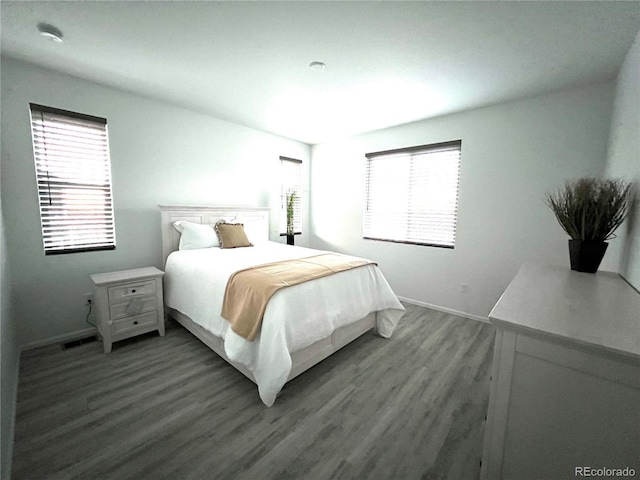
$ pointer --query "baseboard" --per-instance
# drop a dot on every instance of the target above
(67, 337)
(87, 332)
(470, 316)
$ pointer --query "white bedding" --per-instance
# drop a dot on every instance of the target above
(296, 316)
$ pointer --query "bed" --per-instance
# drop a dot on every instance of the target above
(303, 324)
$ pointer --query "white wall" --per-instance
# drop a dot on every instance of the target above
(160, 154)
(9, 357)
(511, 155)
(623, 161)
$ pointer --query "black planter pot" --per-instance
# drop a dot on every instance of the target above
(290, 240)
(586, 255)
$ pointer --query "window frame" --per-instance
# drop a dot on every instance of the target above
(96, 181)
(416, 150)
(283, 193)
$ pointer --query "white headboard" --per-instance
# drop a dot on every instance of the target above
(255, 220)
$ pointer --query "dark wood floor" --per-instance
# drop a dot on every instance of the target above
(410, 407)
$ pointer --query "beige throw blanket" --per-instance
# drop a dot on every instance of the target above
(249, 290)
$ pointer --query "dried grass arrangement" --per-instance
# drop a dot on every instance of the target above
(591, 209)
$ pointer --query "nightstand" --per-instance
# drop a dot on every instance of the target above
(128, 303)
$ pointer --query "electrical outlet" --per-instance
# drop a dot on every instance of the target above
(88, 298)
(464, 288)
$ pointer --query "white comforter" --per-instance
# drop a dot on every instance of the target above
(296, 317)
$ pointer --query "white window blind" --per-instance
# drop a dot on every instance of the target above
(412, 195)
(290, 183)
(73, 172)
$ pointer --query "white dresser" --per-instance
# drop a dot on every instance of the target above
(128, 303)
(565, 389)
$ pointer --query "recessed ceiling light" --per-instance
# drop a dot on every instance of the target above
(317, 66)
(50, 32)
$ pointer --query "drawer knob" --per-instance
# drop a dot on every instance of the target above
(135, 322)
(133, 290)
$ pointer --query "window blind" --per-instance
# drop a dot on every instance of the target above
(290, 182)
(73, 173)
(412, 195)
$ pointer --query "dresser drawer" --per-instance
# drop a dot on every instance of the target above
(121, 293)
(132, 323)
(135, 306)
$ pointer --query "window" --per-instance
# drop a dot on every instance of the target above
(412, 195)
(290, 184)
(73, 172)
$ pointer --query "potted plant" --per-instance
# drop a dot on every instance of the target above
(290, 203)
(590, 210)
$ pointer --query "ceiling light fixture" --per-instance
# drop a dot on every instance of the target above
(317, 66)
(50, 32)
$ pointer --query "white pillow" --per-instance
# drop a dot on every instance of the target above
(194, 235)
(255, 232)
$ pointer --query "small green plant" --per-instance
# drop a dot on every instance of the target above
(590, 209)
(290, 203)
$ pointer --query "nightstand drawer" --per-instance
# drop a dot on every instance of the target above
(132, 323)
(121, 293)
(135, 306)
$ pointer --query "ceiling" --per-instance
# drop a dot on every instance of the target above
(388, 63)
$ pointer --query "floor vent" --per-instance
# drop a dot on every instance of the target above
(77, 343)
